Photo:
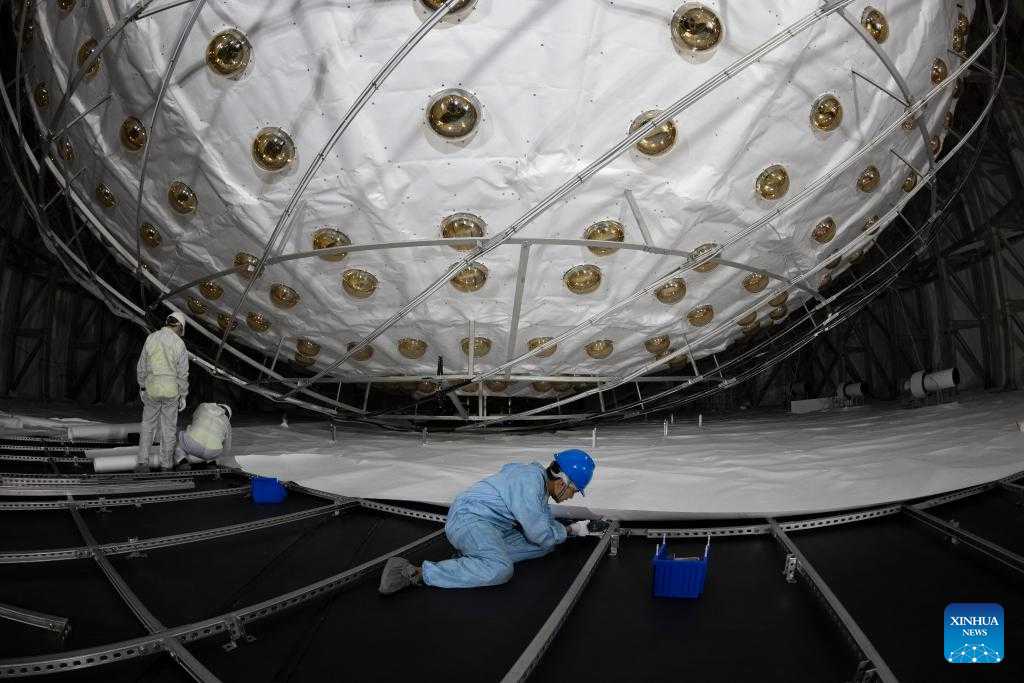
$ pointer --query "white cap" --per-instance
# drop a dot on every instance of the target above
(179, 318)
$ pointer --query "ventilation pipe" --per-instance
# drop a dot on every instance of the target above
(81, 431)
(114, 463)
(921, 384)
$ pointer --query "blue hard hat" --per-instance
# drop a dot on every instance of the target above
(577, 465)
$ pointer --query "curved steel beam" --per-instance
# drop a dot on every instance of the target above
(321, 156)
(79, 76)
(857, 243)
(835, 317)
(604, 160)
(179, 46)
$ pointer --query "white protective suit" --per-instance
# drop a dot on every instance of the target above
(208, 436)
(162, 373)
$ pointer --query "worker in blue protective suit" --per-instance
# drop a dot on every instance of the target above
(499, 521)
(162, 373)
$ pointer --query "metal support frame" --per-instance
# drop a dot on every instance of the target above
(137, 545)
(107, 477)
(593, 169)
(533, 653)
(48, 622)
(357, 106)
(834, 318)
(686, 102)
(28, 489)
(214, 626)
(132, 501)
(855, 636)
(1005, 557)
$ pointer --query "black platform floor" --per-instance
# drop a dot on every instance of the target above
(996, 516)
(424, 634)
(749, 624)
(75, 589)
(896, 577)
(184, 584)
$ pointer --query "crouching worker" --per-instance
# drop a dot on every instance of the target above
(499, 521)
(207, 438)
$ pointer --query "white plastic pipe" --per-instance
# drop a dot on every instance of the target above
(95, 453)
(920, 384)
(114, 463)
(83, 431)
(102, 432)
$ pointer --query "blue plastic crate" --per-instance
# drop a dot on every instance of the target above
(267, 490)
(679, 577)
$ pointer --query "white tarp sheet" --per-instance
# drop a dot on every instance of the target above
(769, 464)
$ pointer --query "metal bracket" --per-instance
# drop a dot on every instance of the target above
(135, 554)
(613, 547)
(952, 537)
(789, 570)
(865, 673)
(236, 633)
(60, 626)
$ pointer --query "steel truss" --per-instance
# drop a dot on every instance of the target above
(287, 387)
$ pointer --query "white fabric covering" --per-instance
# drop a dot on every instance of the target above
(765, 464)
(559, 83)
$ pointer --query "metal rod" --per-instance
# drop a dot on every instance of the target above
(1005, 557)
(513, 329)
(18, 557)
(165, 82)
(49, 622)
(601, 162)
(182, 656)
(385, 71)
(122, 502)
(885, 90)
(818, 585)
(53, 136)
(29, 491)
(106, 478)
(190, 633)
(638, 216)
(163, 8)
(62, 191)
(79, 75)
(935, 167)
(533, 653)
(909, 165)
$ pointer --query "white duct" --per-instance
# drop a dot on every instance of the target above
(102, 432)
(921, 384)
(114, 463)
(81, 431)
(852, 390)
(98, 453)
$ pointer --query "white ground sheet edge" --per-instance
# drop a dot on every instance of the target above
(749, 465)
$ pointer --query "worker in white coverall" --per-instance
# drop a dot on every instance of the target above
(207, 438)
(162, 372)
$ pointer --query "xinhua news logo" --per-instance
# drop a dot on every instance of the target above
(973, 633)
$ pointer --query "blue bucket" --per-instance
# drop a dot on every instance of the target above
(679, 577)
(267, 490)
